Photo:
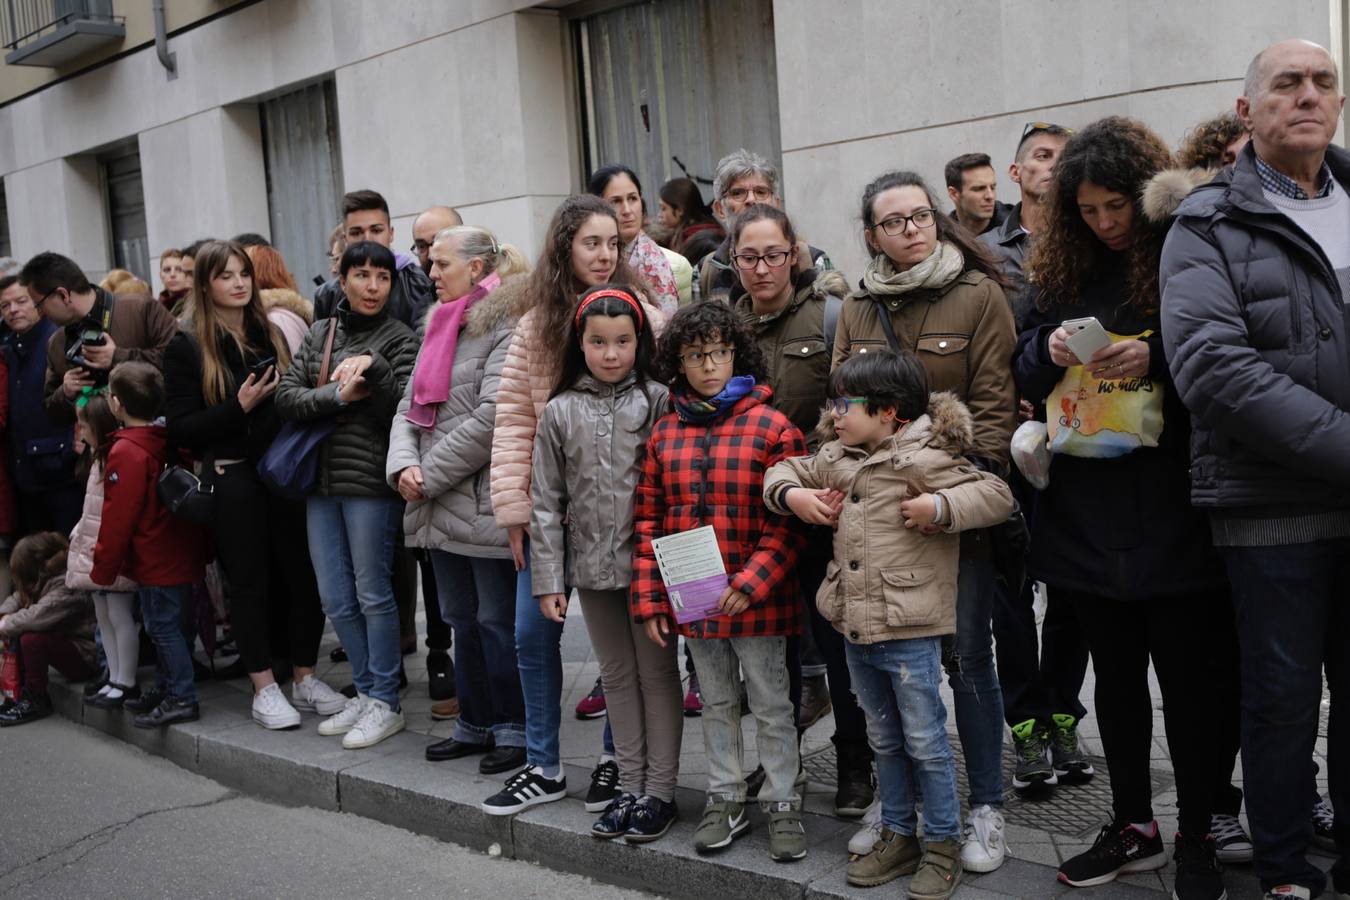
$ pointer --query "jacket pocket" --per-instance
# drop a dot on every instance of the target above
(49, 459)
(829, 599)
(856, 348)
(911, 601)
(945, 358)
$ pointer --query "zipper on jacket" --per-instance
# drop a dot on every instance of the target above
(704, 443)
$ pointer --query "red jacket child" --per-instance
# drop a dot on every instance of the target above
(713, 474)
(139, 537)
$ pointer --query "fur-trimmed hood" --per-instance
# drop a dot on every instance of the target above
(287, 299)
(947, 426)
(1165, 191)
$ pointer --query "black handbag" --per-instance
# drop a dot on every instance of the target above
(184, 495)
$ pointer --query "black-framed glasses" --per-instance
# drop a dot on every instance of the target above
(38, 305)
(695, 358)
(895, 225)
(773, 259)
(740, 195)
(421, 246)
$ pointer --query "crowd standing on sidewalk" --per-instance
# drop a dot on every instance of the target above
(1128, 394)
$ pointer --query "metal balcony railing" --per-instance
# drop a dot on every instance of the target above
(56, 32)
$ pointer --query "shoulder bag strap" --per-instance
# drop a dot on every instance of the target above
(884, 315)
(327, 353)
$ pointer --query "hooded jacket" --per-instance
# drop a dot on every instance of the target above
(80, 559)
(888, 582)
(58, 609)
(963, 335)
(1258, 338)
(587, 454)
(792, 342)
(409, 296)
(138, 536)
(521, 396)
(454, 454)
(352, 457)
(290, 312)
(712, 473)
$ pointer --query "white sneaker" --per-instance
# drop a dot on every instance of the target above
(377, 722)
(313, 695)
(345, 720)
(982, 847)
(271, 710)
(870, 832)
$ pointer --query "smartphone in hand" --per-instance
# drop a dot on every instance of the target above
(1086, 337)
(259, 370)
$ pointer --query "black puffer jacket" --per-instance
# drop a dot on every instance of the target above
(353, 456)
(1258, 339)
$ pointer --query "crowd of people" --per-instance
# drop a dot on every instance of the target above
(1127, 394)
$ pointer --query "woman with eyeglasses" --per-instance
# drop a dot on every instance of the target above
(619, 187)
(933, 289)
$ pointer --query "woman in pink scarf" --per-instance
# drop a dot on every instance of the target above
(439, 448)
(618, 186)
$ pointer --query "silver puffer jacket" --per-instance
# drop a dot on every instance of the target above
(587, 454)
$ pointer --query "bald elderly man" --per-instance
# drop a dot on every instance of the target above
(1255, 276)
(424, 229)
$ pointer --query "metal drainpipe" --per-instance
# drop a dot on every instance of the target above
(168, 59)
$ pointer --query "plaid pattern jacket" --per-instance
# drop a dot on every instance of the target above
(713, 474)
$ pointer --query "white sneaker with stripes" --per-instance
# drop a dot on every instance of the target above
(526, 788)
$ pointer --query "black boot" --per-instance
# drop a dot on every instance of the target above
(857, 784)
(30, 708)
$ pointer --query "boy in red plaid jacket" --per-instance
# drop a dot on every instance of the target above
(705, 465)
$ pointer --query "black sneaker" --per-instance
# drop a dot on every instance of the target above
(1031, 744)
(614, 821)
(1119, 848)
(1232, 844)
(29, 708)
(147, 701)
(650, 819)
(1072, 765)
(1323, 820)
(1199, 875)
(526, 788)
(440, 675)
(604, 786)
(169, 712)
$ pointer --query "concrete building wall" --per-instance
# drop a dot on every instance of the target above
(873, 85)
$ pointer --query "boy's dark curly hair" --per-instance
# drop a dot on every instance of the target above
(706, 323)
(1118, 154)
(1205, 145)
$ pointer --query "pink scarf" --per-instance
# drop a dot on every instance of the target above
(431, 381)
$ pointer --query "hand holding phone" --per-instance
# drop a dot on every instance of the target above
(260, 368)
(1085, 337)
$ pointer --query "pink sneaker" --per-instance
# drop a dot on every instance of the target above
(693, 700)
(592, 706)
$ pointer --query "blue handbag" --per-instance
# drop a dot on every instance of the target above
(290, 467)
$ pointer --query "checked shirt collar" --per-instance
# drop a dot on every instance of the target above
(1279, 183)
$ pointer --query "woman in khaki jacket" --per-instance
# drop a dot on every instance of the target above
(931, 288)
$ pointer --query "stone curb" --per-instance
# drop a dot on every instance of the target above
(393, 783)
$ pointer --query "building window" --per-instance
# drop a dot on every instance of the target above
(686, 79)
(126, 213)
(303, 158)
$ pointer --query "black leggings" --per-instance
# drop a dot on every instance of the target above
(1123, 637)
(254, 527)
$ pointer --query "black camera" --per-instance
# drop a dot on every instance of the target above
(89, 333)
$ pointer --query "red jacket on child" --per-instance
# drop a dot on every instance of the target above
(713, 474)
(138, 536)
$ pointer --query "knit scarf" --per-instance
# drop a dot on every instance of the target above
(940, 269)
(697, 410)
(431, 381)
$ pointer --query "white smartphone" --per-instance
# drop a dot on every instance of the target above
(1086, 337)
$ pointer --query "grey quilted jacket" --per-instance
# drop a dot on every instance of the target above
(1258, 340)
(454, 454)
(587, 454)
(351, 458)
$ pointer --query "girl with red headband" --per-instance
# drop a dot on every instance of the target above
(587, 454)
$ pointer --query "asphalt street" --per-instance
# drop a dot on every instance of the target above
(83, 815)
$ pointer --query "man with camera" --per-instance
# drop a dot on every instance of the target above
(98, 330)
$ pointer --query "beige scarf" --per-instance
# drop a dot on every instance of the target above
(943, 266)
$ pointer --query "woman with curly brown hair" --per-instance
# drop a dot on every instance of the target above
(1214, 143)
(1115, 535)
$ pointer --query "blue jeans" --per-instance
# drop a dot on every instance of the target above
(351, 542)
(1293, 618)
(898, 686)
(162, 611)
(478, 599)
(968, 657)
(539, 657)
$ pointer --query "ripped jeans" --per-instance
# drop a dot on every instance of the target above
(968, 657)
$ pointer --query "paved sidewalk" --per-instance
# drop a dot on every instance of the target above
(393, 783)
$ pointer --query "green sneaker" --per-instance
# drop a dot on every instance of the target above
(787, 837)
(892, 855)
(1072, 765)
(939, 871)
(723, 822)
(1031, 746)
